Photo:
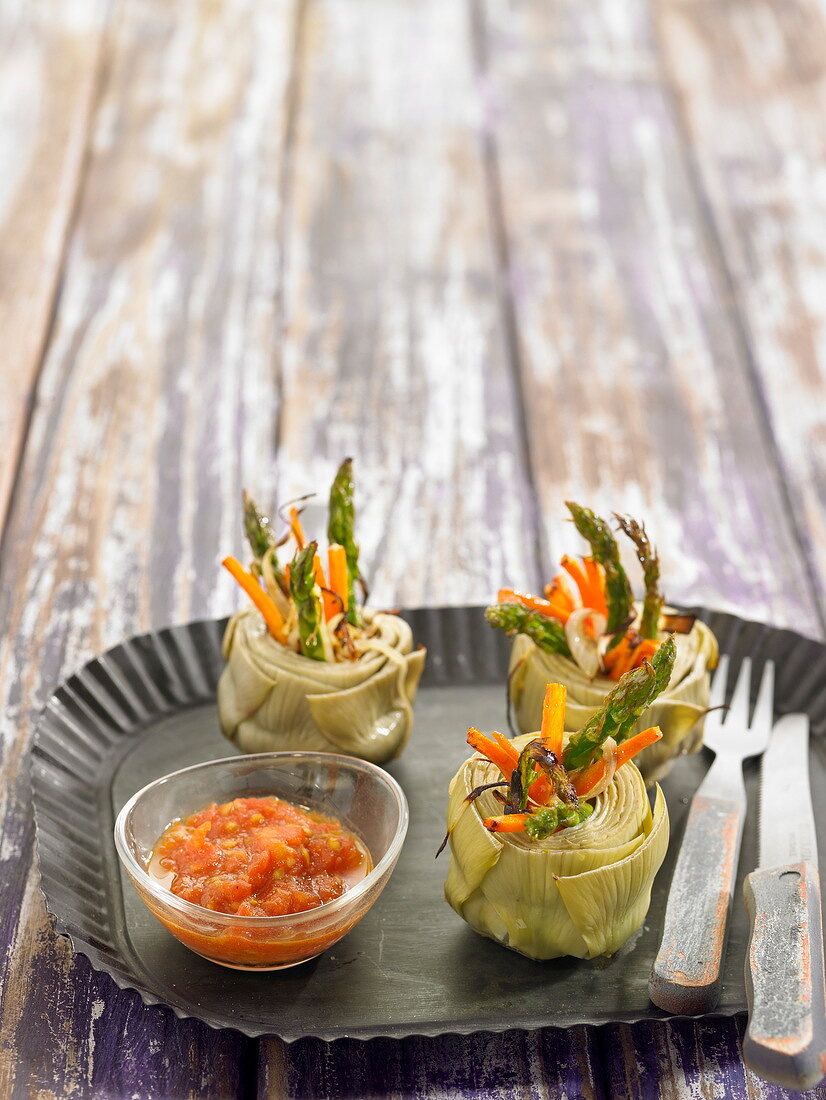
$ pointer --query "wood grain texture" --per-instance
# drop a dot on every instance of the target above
(682, 1060)
(268, 273)
(785, 1039)
(394, 351)
(654, 1060)
(750, 83)
(353, 209)
(636, 381)
(542, 1065)
(156, 402)
(687, 972)
(49, 68)
(393, 344)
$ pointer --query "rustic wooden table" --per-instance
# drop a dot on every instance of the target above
(504, 252)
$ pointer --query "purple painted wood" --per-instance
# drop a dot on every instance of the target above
(637, 387)
(156, 391)
(504, 1066)
(758, 143)
(689, 1059)
(180, 366)
(66, 1023)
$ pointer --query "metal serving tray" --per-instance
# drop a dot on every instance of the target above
(412, 967)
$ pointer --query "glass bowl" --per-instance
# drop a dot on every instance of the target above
(363, 797)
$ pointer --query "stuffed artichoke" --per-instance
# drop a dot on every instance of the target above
(307, 665)
(554, 843)
(587, 631)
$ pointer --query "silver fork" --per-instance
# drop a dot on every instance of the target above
(685, 977)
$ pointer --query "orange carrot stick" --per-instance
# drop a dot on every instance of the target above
(507, 823)
(337, 569)
(320, 579)
(505, 759)
(596, 585)
(262, 600)
(577, 572)
(553, 717)
(590, 776)
(624, 665)
(644, 651)
(559, 592)
(551, 609)
(297, 529)
(503, 743)
(629, 749)
(553, 726)
(502, 752)
(621, 649)
(560, 610)
(540, 790)
(624, 660)
(331, 604)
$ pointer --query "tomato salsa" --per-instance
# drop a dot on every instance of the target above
(258, 857)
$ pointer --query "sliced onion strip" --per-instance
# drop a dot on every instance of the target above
(582, 632)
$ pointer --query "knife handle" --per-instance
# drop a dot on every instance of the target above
(785, 1041)
(685, 977)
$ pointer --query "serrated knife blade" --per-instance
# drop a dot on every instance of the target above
(785, 1040)
(787, 824)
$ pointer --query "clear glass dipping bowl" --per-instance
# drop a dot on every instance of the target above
(363, 797)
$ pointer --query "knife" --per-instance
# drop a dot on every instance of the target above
(785, 1041)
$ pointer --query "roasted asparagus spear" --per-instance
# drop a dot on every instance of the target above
(307, 599)
(650, 562)
(617, 716)
(604, 550)
(340, 529)
(513, 618)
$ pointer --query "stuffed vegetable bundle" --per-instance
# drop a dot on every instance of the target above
(554, 842)
(308, 666)
(586, 631)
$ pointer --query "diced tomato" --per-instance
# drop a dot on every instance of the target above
(327, 887)
(256, 856)
(223, 889)
(258, 871)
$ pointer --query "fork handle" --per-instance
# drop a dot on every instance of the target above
(785, 1040)
(685, 977)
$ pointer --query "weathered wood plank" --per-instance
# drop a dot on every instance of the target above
(156, 403)
(636, 378)
(393, 345)
(679, 1060)
(619, 305)
(158, 400)
(682, 1060)
(750, 83)
(49, 69)
(542, 1065)
(394, 351)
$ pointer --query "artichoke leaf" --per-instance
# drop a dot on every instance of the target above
(271, 698)
(358, 720)
(607, 905)
(475, 852)
(523, 892)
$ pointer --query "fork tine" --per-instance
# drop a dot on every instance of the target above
(761, 723)
(738, 710)
(716, 698)
(717, 695)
